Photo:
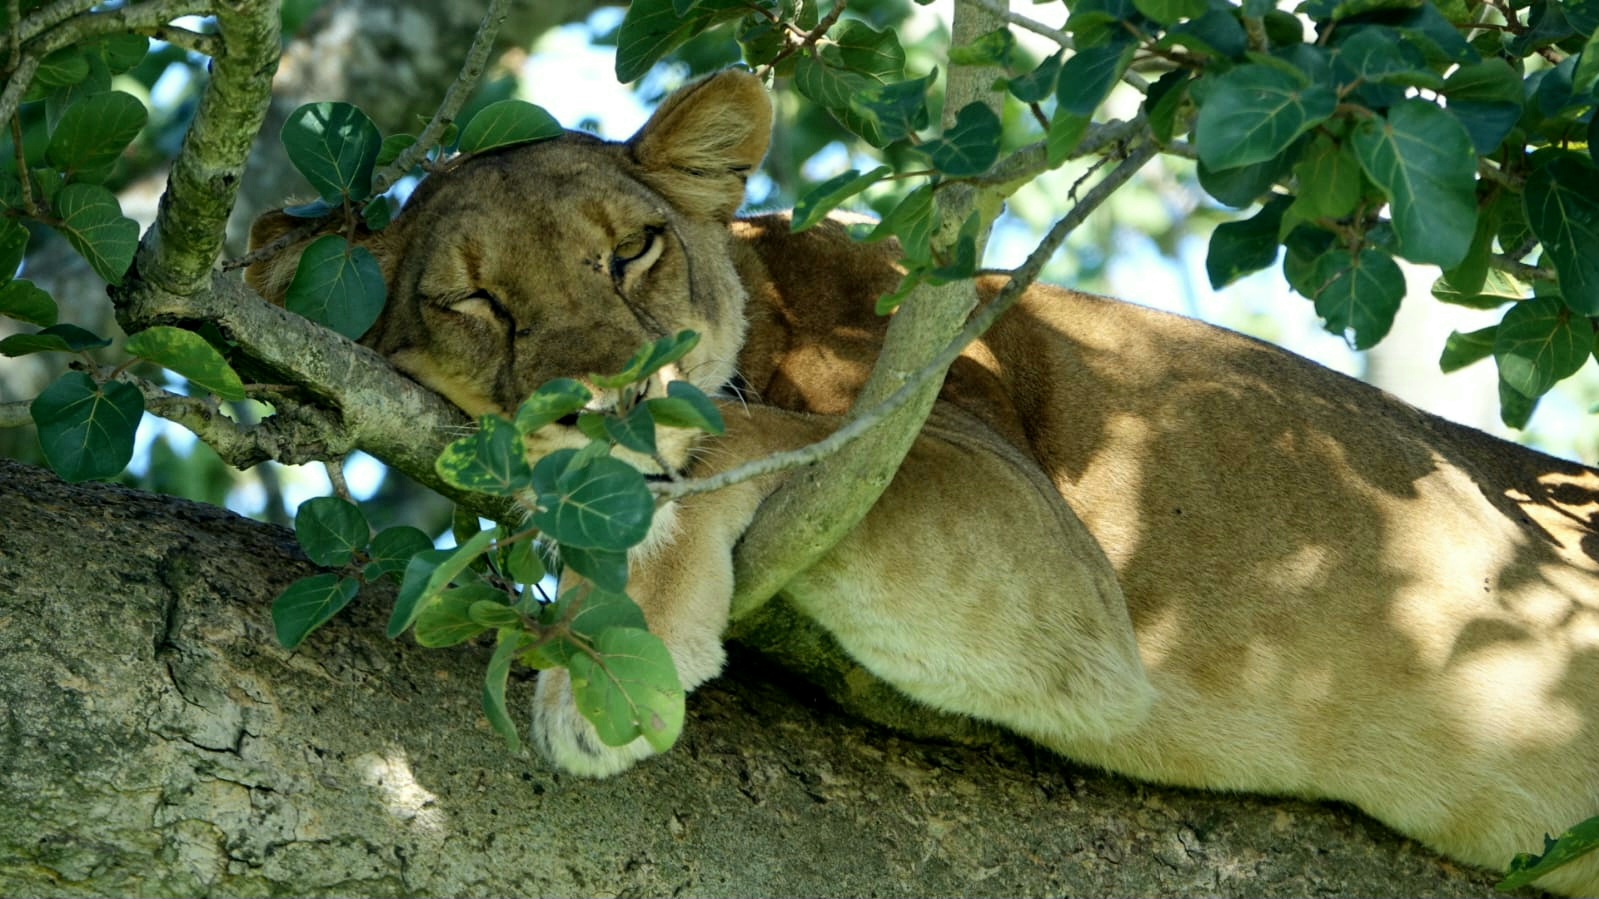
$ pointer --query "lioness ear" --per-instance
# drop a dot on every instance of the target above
(704, 141)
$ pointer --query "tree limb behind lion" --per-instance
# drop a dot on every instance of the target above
(1149, 544)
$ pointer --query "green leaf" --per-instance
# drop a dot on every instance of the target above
(1329, 182)
(428, 574)
(62, 68)
(509, 644)
(1461, 350)
(826, 85)
(632, 690)
(1357, 296)
(523, 562)
(492, 461)
(448, 620)
(335, 146)
(309, 603)
(392, 549)
(1498, 288)
(635, 432)
(607, 568)
(864, 49)
(1577, 841)
(912, 222)
(1165, 98)
(601, 503)
(85, 429)
(992, 49)
(1238, 248)
(971, 146)
(94, 132)
(1254, 112)
(1087, 77)
(1515, 410)
(653, 28)
(331, 530)
(506, 123)
(338, 286)
(13, 247)
(551, 402)
(1423, 160)
(885, 113)
(391, 148)
(25, 301)
(62, 338)
(1065, 133)
(1039, 84)
(825, 197)
(1540, 343)
(1487, 97)
(598, 610)
(494, 613)
(649, 360)
(92, 221)
(1562, 201)
(188, 354)
(686, 406)
(1168, 12)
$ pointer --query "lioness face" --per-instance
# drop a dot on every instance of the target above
(550, 261)
(564, 258)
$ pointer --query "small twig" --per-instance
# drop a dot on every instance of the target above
(994, 7)
(1514, 266)
(193, 41)
(454, 98)
(335, 469)
(17, 84)
(1021, 278)
(283, 242)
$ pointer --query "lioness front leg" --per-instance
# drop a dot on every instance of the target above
(683, 581)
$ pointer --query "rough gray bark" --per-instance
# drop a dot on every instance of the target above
(154, 740)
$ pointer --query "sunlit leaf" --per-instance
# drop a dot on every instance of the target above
(631, 690)
(94, 132)
(825, 197)
(26, 302)
(600, 503)
(492, 461)
(188, 354)
(1357, 296)
(507, 123)
(335, 146)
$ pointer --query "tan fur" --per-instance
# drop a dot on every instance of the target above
(1151, 544)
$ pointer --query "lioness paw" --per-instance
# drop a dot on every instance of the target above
(568, 740)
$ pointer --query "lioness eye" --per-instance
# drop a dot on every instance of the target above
(480, 304)
(639, 249)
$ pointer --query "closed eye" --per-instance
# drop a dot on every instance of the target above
(636, 254)
(481, 304)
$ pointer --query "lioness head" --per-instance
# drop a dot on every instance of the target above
(563, 258)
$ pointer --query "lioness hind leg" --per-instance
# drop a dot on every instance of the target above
(974, 588)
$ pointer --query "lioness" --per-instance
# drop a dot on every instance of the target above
(1150, 544)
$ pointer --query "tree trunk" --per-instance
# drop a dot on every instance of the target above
(155, 740)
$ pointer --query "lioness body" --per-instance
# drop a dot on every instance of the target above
(1329, 593)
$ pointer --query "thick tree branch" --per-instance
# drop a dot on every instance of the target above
(814, 510)
(178, 252)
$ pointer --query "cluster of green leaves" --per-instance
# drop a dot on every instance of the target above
(1438, 133)
(338, 148)
(75, 131)
(587, 505)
